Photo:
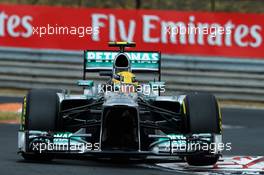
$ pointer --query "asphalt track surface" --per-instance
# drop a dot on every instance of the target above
(242, 127)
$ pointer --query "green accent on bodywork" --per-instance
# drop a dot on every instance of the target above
(139, 60)
(174, 136)
(62, 137)
(157, 83)
(89, 83)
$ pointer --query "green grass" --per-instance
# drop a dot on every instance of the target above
(9, 116)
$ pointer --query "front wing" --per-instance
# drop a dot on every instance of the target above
(39, 142)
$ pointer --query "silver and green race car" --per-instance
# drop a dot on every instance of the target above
(121, 117)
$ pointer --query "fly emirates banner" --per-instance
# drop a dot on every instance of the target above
(171, 32)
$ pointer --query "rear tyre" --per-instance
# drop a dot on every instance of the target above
(41, 114)
(202, 116)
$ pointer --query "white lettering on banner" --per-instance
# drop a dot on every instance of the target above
(131, 30)
(200, 39)
(112, 29)
(9, 25)
(174, 26)
(147, 26)
(185, 32)
(26, 24)
(240, 33)
(12, 23)
(150, 28)
(255, 32)
(192, 34)
(178, 32)
(98, 20)
(228, 37)
(3, 17)
(97, 23)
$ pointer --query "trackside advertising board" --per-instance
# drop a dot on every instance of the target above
(171, 32)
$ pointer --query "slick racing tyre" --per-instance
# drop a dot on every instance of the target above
(37, 157)
(41, 108)
(202, 160)
(202, 116)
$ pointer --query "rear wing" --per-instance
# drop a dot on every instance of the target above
(141, 61)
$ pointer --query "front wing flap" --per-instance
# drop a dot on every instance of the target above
(75, 143)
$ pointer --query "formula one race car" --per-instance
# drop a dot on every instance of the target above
(122, 117)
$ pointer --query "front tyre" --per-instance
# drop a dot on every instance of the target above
(202, 116)
(202, 160)
(40, 112)
(42, 107)
(37, 157)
